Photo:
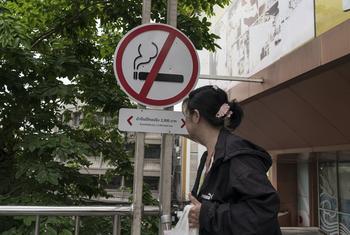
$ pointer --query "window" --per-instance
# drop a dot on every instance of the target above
(76, 119)
(344, 183)
(334, 192)
(130, 149)
(152, 151)
(344, 192)
(115, 183)
(152, 181)
(328, 185)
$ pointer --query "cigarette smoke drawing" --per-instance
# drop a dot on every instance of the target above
(161, 77)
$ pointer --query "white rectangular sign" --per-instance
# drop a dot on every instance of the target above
(254, 34)
(346, 5)
(153, 121)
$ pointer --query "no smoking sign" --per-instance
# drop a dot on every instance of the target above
(156, 65)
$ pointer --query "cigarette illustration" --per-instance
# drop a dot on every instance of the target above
(161, 77)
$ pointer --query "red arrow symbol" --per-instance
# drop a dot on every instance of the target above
(129, 120)
(183, 123)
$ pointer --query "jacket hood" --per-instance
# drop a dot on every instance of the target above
(230, 145)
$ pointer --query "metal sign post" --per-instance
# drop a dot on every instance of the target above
(139, 152)
(167, 141)
(138, 183)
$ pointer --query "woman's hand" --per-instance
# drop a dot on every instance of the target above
(193, 215)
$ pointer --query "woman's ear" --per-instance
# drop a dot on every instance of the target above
(196, 116)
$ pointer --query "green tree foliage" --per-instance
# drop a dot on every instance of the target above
(56, 54)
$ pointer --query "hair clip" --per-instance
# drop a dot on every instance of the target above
(224, 111)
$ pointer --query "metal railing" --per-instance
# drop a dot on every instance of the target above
(302, 231)
(77, 212)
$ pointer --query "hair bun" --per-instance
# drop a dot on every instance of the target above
(208, 100)
(237, 115)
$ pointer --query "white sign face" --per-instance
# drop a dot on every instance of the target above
(254, 34)
(156, 65)
(346, 5)
(153, 121)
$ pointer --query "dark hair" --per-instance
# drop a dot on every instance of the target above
(208, 100)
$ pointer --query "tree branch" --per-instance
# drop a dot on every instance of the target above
(59, 26)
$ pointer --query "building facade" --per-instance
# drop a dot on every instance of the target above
(300, 113)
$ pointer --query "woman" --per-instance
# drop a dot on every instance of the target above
(232, 194)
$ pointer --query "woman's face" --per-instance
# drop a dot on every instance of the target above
(189, 121)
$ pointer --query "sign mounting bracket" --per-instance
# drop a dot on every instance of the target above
(231, 78)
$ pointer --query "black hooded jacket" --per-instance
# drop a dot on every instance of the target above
(237, 197)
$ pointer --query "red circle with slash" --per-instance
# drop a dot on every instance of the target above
(141, 97)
